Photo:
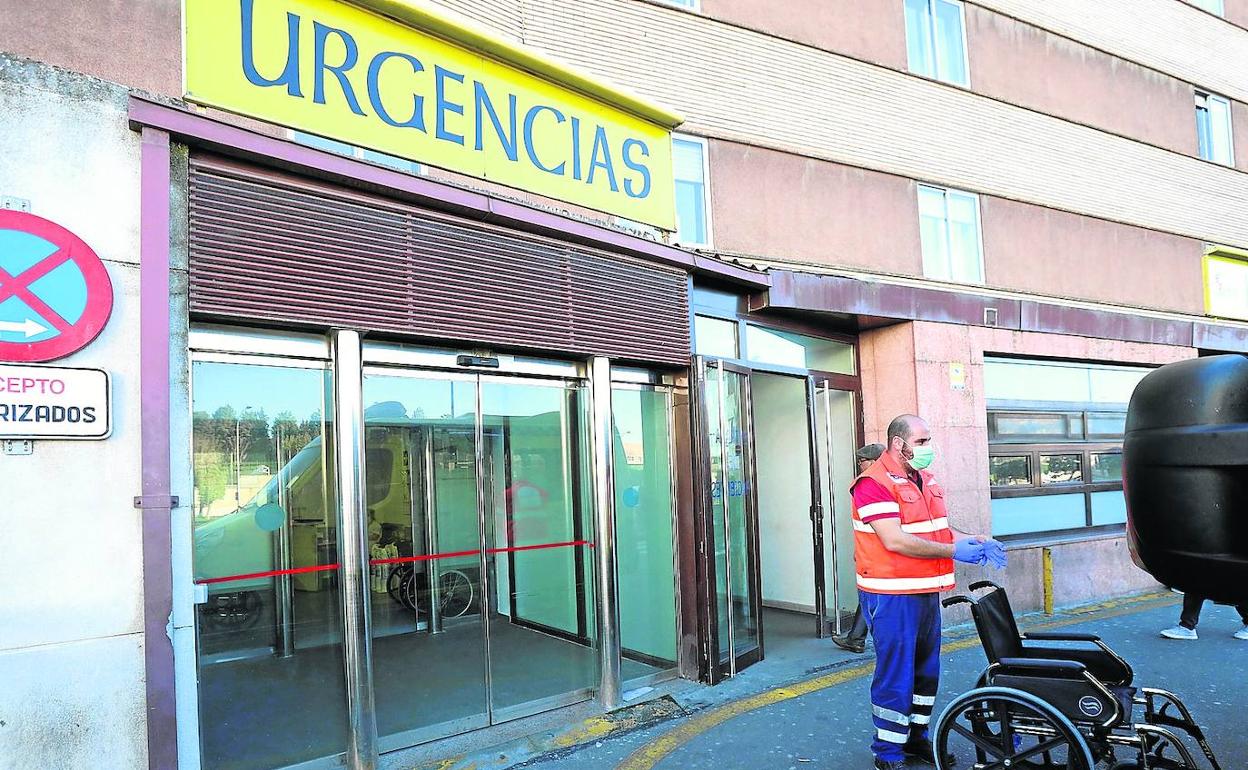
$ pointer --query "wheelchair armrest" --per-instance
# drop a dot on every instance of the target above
(952, 600)
(982, 584)
(1042, 666)
(1060, 636)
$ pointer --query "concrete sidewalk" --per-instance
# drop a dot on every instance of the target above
(823, 720)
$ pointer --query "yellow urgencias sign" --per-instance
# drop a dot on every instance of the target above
(332, 69)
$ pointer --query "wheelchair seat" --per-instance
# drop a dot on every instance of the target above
(998, 631)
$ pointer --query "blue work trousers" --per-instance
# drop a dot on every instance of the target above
(906, 632)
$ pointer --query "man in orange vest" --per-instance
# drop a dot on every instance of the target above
(904, 548)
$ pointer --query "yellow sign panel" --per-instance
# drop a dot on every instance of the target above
(338, 71)
(1226, 283)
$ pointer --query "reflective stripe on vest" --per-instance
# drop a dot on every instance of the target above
(935, 525)
(903, 585)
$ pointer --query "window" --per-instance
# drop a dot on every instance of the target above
(936, 40)
(949, 228)
(1061, 469)
(351, 151)
(1226, 283)
(784, 348)
(714, 337)
(1009, 471)
(1213, 128)
(1107, 466)
(1055, 432)
(693, 226)
(1216, 7)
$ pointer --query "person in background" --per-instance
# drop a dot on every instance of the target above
(1186, 629)
(904, 550)
(855, 640)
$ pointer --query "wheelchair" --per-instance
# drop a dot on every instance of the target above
(1058, 701)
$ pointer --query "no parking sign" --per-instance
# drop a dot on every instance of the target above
(55, 294)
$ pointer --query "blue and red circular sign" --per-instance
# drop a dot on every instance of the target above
(55, 294)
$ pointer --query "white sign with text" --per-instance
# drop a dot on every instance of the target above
(54, 402)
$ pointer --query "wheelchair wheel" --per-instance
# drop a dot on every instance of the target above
(455, 593)
(995, 728)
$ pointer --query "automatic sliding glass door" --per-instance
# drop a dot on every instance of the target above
(425, 556)
(480, 532)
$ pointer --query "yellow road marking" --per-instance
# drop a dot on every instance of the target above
(652, 753)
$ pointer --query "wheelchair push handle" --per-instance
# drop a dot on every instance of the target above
(952, 600)
(981, 584)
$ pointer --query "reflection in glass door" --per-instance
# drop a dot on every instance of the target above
(269, 620)
(539, 534)
(480, 533)
(732, 534)
(836, 440)
(425, 556)
(645, 533)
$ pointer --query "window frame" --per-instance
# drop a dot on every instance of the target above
(1082, 446)
(1220, 12)
(946, 192)
(937, 55)
(690, 5)
(1202, 106)
(706, 191)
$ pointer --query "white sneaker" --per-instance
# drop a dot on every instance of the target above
(1242, 633)
(1181, 632)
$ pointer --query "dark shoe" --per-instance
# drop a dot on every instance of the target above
(845, 643)
(884, 764)
(922, 750)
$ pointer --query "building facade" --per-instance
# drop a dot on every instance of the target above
(408, 445)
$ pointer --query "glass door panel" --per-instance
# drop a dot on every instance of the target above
(266, 557)
(837, 442)
(424, 557)
(539, 534)
(733, 532)
(644, 530)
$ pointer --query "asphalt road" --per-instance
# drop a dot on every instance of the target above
(831, 727)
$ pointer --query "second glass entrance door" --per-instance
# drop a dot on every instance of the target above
(481, 571)
(731, 533)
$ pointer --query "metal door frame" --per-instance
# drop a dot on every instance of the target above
(713, 670)
(822, 385)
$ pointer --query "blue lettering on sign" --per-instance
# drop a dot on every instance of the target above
(629, 146)
(321, 35)
(443, 106)
(417, 120)
(485, 107)
(502, 111)
(529, 117)
(290, 74)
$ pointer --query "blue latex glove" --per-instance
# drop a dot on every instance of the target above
(969, 551)
(995, 553)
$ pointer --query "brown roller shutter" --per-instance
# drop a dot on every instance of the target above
(267, 247)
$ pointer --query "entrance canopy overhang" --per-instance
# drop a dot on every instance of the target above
(868, 301)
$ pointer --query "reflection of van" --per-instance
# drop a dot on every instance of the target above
(414, 466)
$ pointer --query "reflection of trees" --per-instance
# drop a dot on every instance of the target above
(1009, 471)
(212, 473)
(1059, 468)
(225, 437)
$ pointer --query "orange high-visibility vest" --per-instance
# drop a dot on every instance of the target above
(923, 515)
